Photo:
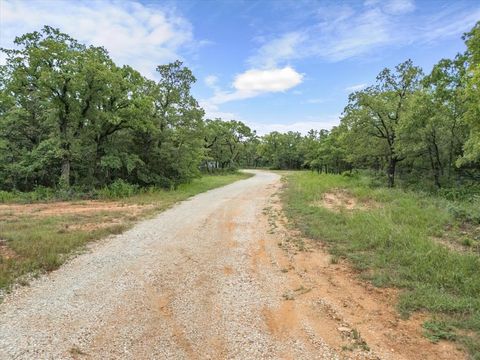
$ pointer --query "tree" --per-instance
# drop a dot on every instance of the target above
(45, 74)
(378, 110)
(226, 143)
(70, 116)
(171, 146)
(472, 93)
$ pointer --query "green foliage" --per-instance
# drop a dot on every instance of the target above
(472, 94)
(439, 330)
(70, 117)
(228, 144)
(117, 190)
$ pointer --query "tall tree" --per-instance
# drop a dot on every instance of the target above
(380, 108)
(472, 116)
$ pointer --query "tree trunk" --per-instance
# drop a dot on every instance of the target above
(435, 169)
(65, 174)
(392, 164)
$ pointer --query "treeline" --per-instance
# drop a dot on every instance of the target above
(421, 128)
(70, 117)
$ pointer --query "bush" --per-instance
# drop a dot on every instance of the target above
(466, 211)
(117, 189)
(7, 196)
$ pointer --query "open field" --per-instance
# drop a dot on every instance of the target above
(394, 238)
(39, 237)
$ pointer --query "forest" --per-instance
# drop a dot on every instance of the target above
(71, 119)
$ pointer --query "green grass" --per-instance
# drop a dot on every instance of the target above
(43, 243)
(392, 244)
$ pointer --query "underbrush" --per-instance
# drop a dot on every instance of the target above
(403, 242)
(119, 189)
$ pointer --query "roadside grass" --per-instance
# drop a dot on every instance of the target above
(394, 244)
(32, 242)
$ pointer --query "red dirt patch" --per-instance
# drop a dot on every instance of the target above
(68, 208)
(342, 199)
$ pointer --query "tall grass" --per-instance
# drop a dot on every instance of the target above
(393, 245)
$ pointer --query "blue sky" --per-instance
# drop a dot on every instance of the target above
(276, 65)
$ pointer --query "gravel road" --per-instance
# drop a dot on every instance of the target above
(192, 283)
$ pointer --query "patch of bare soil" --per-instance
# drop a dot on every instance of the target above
(465, 238)
(5, 252)
(342, 199)
(450, 244)
(69, 208)
(352, 316)
(91, 226)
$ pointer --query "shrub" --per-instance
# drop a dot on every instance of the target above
(117, 189)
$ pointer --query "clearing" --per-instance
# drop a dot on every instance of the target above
(217, 276)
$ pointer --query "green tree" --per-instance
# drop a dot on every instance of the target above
(226, 143)
(378, 110)
(472, 116)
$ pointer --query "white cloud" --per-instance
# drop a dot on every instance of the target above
(355, 35)
(272, 80)
(136, 34)
(437, 28)
(212, 82)
(397, 7)
(357, 87)
(344, 31)
(280, 49)
(255, 82)
(212, 111)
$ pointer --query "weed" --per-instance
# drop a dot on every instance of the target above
(334, 259)
(438, 330)
(288, 296)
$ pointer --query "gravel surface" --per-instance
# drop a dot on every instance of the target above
(191, 283)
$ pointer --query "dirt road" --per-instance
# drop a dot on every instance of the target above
(215, 277)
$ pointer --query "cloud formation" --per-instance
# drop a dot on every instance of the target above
(356, 87)
(279, 49)
(272, 80)
(346, 30)
(139, 35)
(255, 82)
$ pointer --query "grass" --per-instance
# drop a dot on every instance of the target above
(394, 244)
(32, 243)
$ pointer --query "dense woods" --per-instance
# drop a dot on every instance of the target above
(71, 118)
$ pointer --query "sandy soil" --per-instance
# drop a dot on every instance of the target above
(69, 208)
(214, 277)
